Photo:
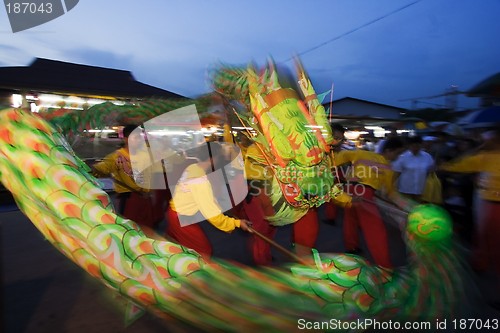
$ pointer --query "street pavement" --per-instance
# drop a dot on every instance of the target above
(43, 291)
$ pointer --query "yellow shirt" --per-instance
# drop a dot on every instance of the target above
(368, 168)
(194, 194)
(487, 164)
(117, 165)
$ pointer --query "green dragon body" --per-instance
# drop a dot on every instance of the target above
(55, 191)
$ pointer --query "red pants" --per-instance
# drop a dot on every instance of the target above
(161, 198)
(365, 215)
(136, 207)
(191, 236)
(305, 230)
(330, 210)
(256, 209)
(487, 251)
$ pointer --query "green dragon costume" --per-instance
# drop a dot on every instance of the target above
(55, 191)
(293, 135)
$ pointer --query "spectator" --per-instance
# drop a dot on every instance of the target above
(427, 143)
(380, 144)
(412, 168)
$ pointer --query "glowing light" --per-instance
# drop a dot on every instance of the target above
(34, 108)
(50, 98)
(100, 131)
(353, 135)
(76, 102)
(166, 133)
(378, 132)
(242, 128)
(17, 100)
(49, 106)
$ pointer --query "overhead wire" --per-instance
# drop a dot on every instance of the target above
(353, 30)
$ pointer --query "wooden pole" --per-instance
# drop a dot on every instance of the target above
(279, 247)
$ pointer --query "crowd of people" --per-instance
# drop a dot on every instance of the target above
(461, 174)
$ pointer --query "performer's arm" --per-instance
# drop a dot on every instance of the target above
(343, 157)
(105, 167)
(208, 206)
(467, 164)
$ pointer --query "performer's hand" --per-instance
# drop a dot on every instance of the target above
(246, 225)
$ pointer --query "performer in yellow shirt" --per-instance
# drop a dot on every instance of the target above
(370, 172)
(193, 201)
(487, 164)
(134, 201)
(257, 206)
(331, 207)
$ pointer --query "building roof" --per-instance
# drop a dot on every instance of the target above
(354, 112)
(45, 75)
(488, 87)
(365, 101)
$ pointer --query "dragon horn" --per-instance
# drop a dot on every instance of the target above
(254, 90)
(270, 126)
(303, 81)
(273, 76)
(316, 109)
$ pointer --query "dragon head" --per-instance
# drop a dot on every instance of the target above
(292, 129)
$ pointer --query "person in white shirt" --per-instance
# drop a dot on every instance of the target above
(379, 146)
(412, 168)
